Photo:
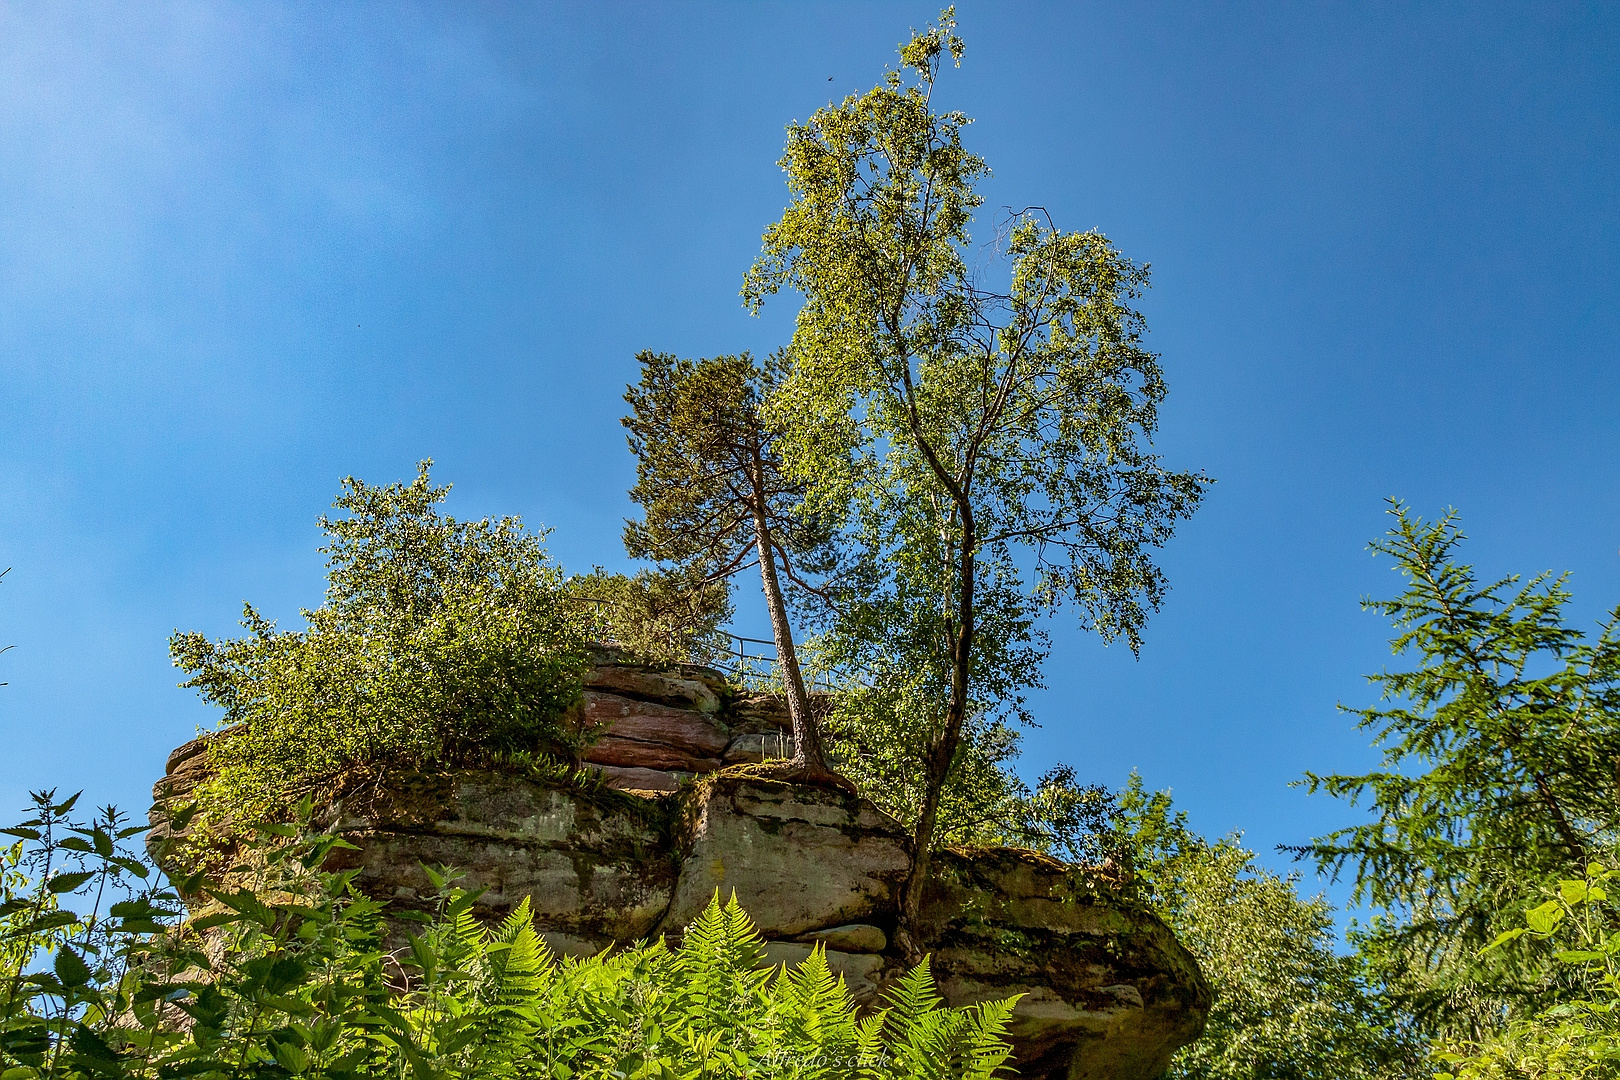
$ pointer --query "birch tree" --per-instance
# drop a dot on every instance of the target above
(984, 417)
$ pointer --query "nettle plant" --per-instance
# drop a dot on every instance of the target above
(287, 970)
(1579, 924)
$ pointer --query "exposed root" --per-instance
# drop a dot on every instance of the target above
(794, 771)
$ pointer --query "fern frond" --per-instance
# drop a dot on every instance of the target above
(871, 1055)
(812, 1016)
(986, 1038)
(912, 998)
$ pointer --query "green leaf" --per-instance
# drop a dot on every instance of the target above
(1542, 919)
(46, 981)
(29, 1039)
(66, 883)
(324, 1035)
(273, 829)
(284, 974)
(92, 1047)
(1504, 937)
(292, 1058)
(51, 920)
(180, 819)
(71, 968)
(140, 908)
(141, 926)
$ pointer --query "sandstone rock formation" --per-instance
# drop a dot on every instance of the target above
(1107, 990)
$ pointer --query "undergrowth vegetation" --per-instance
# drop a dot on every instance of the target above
(1578, 924)
(292, 972)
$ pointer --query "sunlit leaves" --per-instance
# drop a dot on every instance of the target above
(438, 639)
(1286, 1003)
(1579, 1036)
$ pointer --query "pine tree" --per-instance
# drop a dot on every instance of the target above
(716, 502)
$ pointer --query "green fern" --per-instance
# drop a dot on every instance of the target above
(815, 1009)
(929, 1042)
(289, 978)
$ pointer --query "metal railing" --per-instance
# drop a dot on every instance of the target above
(757, 671)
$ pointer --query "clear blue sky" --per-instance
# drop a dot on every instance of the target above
(246, 250)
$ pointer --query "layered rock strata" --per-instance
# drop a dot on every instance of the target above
(659, 728)
(1106, 989)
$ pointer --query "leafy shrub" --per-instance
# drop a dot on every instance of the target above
(1286, 1003)
(658, 618)
(1580, 1037)
(290, 975)
(438, 640)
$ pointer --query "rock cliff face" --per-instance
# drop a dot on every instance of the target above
(1107, 990)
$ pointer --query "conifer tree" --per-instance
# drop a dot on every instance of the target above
(1501, 768)
(716, 502)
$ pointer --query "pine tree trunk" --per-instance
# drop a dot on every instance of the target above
(807, 746)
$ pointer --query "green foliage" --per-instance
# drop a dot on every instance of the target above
(72, 900)
(984, 802)
(1498, 771)
(707, 468)
(887, 646)
(667, 617)
(1286, 1004)
(438, 639)
(1580, 1036)
(962, 410)
(288, 973)
(993, 417)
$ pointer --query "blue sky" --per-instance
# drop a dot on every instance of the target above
(246, 250)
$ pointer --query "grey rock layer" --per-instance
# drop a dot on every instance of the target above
(797, 858)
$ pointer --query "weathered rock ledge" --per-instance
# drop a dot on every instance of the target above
(1108, 991)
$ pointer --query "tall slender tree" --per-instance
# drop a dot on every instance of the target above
(983, 432)
(716, 501)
